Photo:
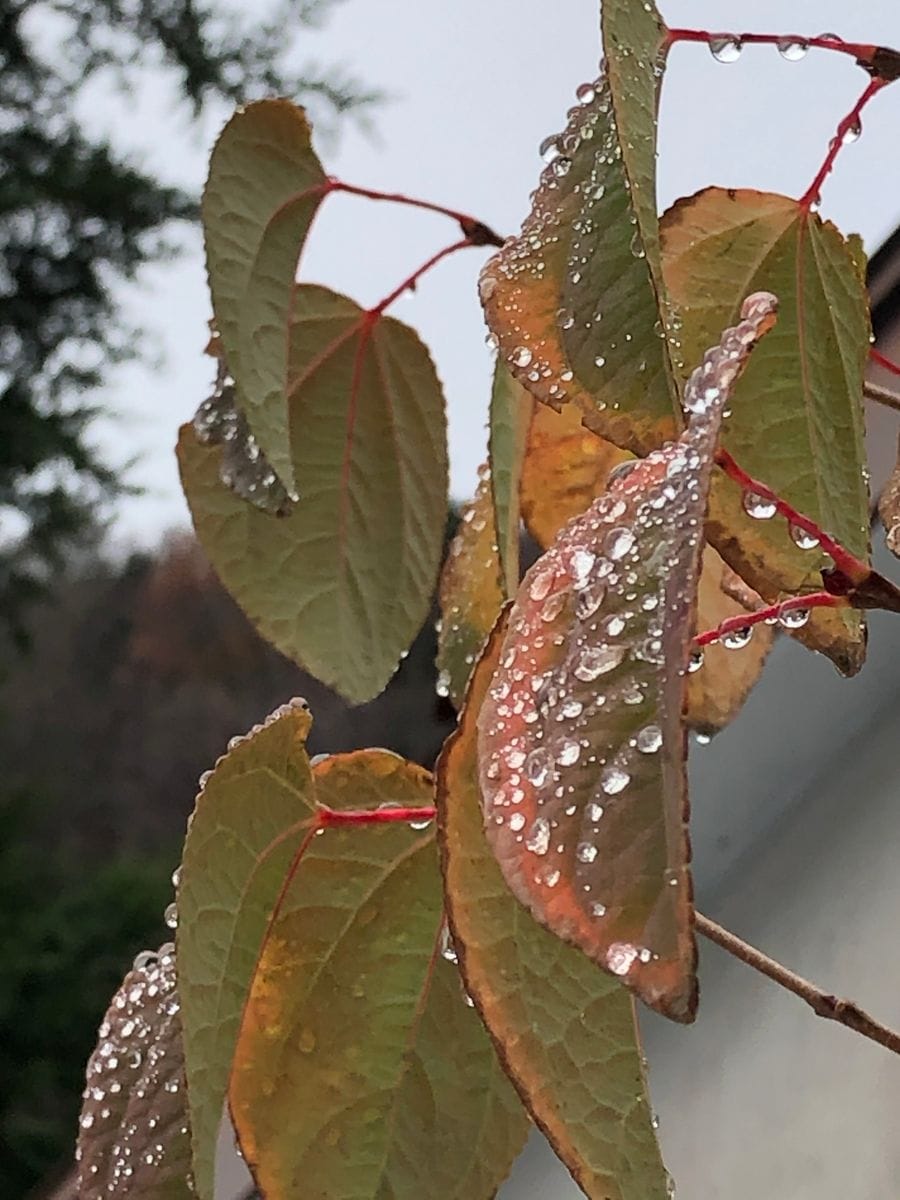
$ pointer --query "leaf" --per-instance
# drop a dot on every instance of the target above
(573, 299)
(796, 421)
(344, 583)
(471, 591)
(564, 1031)
(566, 467)
(511, 407)
(252, 814)
(133, 1137)
(581, 737)
(360, 1070)
(889, 509)
(718, 689)
(264, 187)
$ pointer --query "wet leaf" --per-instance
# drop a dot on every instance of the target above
(573, 299)
(796, 420)
(264, 187)
(344, 583)
(889, 510)
(581, 737)
(565, 1031)
(566, 468)
(510, 418)
(252, 814)
(133, 1137)
(717, 691)
(471, 592)
(360, 1070)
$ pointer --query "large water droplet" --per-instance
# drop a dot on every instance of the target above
(803, 539)
(614, 780)
(521, 356)
(649, 739)
(619, 542)
(726, 48)
(538, 766)
(549, 148)
(170, 916)
(736, 639)
(695, 662)
(586, 852)
(794, 618)
(597, 660)
(620, 956)
(538, 840)
(852, 133)
(569, 753)
(759, 507)
(793, 49)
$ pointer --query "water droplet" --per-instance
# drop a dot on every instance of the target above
(517, 822)
(598, 660)
(726, 48)
(585, 93)
(306, 1042)
(695, 662)
(538, 840)
(852, 133)
(448, 950)
(561, 166)
(759, 507)
(541, 583)
(522, 356)
(598, 909)
(614, 780)
(549, 148)
(569, 753)
(170, 916)
(176, 877)
(794, 618)
(599, 361)
(537, 766)
(442, 687)
(803, 539)
(736, 639)
(620, 956)
(586, 852)
(793, 49)
(594, 812)
(565, 318)
(420, 823)
(619, 542)
(146, 958)
(589, 601)
(649, 739)
(135, 1058)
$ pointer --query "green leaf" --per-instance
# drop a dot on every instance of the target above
(360, 1069)
(796, 421)
(581, 735)
(265, 184)
(565, 1032)
(511, 407)
(343, 584)
(252, 814)
(133, 1138)
(573, 299)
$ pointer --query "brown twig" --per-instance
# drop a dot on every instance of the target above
(832, 1008)
(881, 395)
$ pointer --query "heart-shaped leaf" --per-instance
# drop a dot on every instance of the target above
(582, 738)
(360, 1069)
(343, 583)
(797, 420)
(133, 1138)
(252, 814)
(565, 1031)
(264, 187)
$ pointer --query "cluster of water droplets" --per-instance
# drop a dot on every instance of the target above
(582, 709)
(133, 1125)
(244, 468)
(728, 47)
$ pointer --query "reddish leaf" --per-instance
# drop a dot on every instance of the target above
(581, 739)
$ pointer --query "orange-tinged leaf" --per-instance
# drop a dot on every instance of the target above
(564, 1030)
(360, 1070)
(565, 468)
(133, 1138)
(718, 689)
(342, 584)
(471, 592)
(797, 420)
(582, 738)
(265, 184)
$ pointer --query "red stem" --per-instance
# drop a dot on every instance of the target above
(846, 563)
(771, 613)
(863, 53)
(476, 231)
(330, 817)
(812, 194)
(880, 360)
(410, 281)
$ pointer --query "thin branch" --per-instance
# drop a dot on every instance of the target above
(771, 614)
(845, 130)
(881, 395)
(477, 232)
(409, 284)
(865, 54)
(329, 817)
(823, 1004)
(881, 360)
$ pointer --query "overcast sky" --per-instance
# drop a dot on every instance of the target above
(477, 84)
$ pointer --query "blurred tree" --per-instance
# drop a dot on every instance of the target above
(77, 217)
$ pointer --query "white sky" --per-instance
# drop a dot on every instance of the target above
(477, 85)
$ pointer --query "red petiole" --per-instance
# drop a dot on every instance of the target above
(863, 53)
(771, 615)
(328, 818)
